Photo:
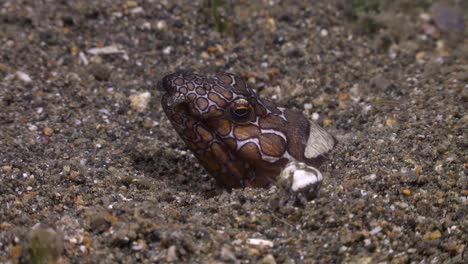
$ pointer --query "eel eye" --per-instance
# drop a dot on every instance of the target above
(241, 110)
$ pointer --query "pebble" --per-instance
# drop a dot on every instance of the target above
(259, 242)
(7, 169)
(212, 49)
(343, 96)
(227, 254)
(32, 128)
(105, 50)
(167, 50)
(131, 4)
(48, 131)
(219, 62)
(439, 167)
(161, 25)
(290, 50)
(420, 56)
(100, 72)
(315, 116)
(326, 122)
(23, 76)
(146, 25)
(148, 123)
(456, 249)
(425, 17)
(323, 32)
(418, 170)
(270, 24)
(429, 236)
(391, 122)
(375, 231)
(401, 205)
(137, 10)
(254, 252)
(371, 177)
(307, 106)
(204, 55)
(139, 245)
(268, 259)
(139, 102)
(171, 254)
(83, 249)
(77, 177)
(406, 192)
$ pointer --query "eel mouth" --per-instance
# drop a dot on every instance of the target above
(171, 102)
(171, 98)
(165, 85)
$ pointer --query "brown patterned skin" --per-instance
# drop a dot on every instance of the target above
(241, 139)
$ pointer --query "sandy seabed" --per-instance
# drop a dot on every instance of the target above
(89, 174)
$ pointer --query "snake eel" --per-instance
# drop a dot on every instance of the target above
(240, 138)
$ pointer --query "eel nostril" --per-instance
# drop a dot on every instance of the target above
(165, 84)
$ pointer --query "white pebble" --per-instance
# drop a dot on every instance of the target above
(106, 50)
(363, 193)
(315, 116)
(23, 76)
(161, 25)
(375, 231)
(367, 242)
(84, 60)
(425, 17)
(323, 32)
(32, 128)
(167, 50)
(371, 177)
(83, 249)
(137, 10)
(259, 242)
(146, 26)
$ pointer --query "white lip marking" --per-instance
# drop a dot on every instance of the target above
(319, 142)
(272, 131)
(241, 143)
